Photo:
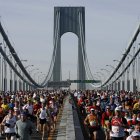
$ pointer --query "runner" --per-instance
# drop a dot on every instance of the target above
(106, 116)
(92, 122)
(24, 127)
(43, 120)
(9, 121)
(118, 123)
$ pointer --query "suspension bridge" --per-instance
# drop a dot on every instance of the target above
(125, 76)
(69, 19)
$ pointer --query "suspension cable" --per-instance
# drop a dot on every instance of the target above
(45, 82)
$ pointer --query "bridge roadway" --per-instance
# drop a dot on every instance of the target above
(67, 127)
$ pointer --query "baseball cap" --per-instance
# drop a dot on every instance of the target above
(92, 109)
(120, 107)
(117, 109)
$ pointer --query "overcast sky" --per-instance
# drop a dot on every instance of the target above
(110, 25)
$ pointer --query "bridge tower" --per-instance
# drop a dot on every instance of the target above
(69, 19)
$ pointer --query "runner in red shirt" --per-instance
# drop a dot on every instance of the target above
(106, 116)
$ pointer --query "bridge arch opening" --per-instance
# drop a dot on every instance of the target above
(69, 57)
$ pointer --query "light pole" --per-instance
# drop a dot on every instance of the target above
(11, 82)
(0, 74)
(128, 80)
(110, 66)
(5, 71)
(119, 80)
(98, 77)
(39, 77)
(0, 71)
(15, 76)
(116, 60)
(115, 76)
(102, 75)
(133, 72)
(27, 83)
(5, 68)
(11, 87)
(4, 83)
(34, 76)
(138, 72)
(30, 72)
(29, 66)
(106, 70)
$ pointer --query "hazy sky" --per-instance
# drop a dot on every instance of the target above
(110, 25)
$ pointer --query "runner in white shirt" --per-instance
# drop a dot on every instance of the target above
(9, 121)
(29, 107)
(118, 123)
(43, 119)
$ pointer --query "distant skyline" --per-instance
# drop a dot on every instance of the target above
(110, 25)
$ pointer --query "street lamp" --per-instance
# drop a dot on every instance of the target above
(102, 75)
(4, 76)
(138, 71)
(0, 70)
(123, 77)
(115, 74)
(133, 71)
(33, 70)
(9, 55)
(15, 76)
(106, 70)
(39, 77)
(98, 77)
(111, 66)
(116, 60)
(36, 74)
(29, 66)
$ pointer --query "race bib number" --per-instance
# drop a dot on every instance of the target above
(93, 123)
(115, 129)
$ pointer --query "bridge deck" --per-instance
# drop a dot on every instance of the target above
(65, 125)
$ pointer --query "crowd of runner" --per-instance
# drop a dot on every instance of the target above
(21, 113)
(117, 114)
